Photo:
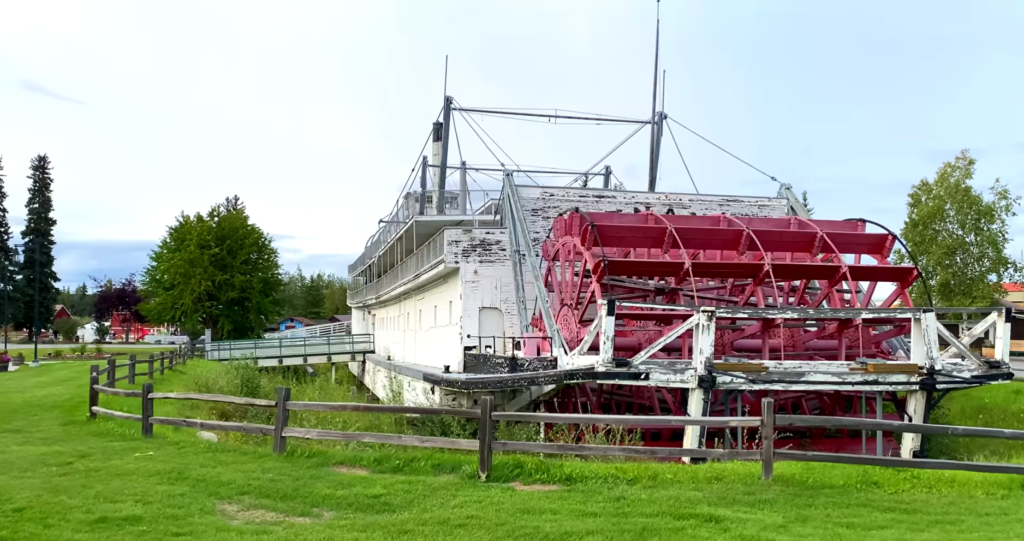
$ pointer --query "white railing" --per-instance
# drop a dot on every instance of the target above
(326, 329)
(280, 348)
(420, 261)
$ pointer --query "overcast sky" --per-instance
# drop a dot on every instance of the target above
(313, 112)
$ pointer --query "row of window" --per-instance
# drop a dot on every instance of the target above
(396, 323)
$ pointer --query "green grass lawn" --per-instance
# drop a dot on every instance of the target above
(63, 477)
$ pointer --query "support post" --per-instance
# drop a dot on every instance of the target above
(423, 188)
(463, 190)
(111, 372)
(131, 369)
(284, 394)
(150, 362)
(699, 398)
(924, 341)
(486, 434)
(94, 395)
(334, 373)
(162, 363)
(917, 403)
(173, 360)
(147, 410)
(1001, 343)
(767, 438)
(607, 343)
(607, 180)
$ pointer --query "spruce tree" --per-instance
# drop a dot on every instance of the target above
(8, 271)
(38, 252)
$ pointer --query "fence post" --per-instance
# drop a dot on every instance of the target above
(111, 371)
(94, 395)
(284, 394)
(161, 363)
(767, 438)
(131, 369)
(152, 358)
(486, 434)
(147, 410)
(171, 364)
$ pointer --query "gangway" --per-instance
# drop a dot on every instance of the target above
(293, 351)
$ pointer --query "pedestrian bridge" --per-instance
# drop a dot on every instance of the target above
(293, 351)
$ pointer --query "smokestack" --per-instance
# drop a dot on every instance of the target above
(435, 154)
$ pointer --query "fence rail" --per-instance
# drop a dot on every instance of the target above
(281, 348)
(485, 444)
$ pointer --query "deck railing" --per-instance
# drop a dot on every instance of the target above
(281, 348)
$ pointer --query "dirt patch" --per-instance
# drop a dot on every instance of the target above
(240, 514)
(351, 470)
(535, 488)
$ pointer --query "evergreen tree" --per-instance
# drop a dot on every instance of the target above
(8, 271)
(38, 252)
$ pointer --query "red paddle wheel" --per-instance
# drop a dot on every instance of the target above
(722, 261)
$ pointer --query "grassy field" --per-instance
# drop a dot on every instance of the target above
(66, 478)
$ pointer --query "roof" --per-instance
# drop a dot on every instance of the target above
(1011, 287)
(59, 307)
(341, 319)
(303, 320)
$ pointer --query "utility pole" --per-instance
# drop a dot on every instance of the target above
(35, 356)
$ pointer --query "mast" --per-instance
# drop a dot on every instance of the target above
(655, 115)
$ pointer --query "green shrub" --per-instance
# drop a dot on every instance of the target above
(97, 349)
(58, 353)
(67, 328)
(81, 349)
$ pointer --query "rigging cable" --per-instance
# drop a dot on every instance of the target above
(924, 279)
(712, 143)
(496, 144)
(687, 167)
(609, 153)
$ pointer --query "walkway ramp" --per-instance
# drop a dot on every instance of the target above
(294, 351)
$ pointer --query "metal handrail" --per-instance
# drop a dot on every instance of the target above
(290, 347)
(326, 329)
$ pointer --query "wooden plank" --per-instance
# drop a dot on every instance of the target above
(895, 462)
(131, 369)
(857, 423)
(281, 420)
(94, 396)
(740, 367)
(218, 426)
(623, 450)
(216, 398)
(486, 436)
(123, 365)
(122, 378)
(627, 420)
(116, 414)
(382, 408)
(767, 438)
(393, 439)
(888, 368)
(147, 410)
(116, 392)
(102, 371)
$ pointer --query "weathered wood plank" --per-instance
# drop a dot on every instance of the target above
(382, 408)
(627, 420)
(857, 423)
(623, 450)
(767, 438)
(216, 398)
(284, 394)
(486, 437)
(219, 426)
(94, 396)
(123, 365)
(116, 414)
(147, 410)
(116, 392)
(102, 371)
(372, 437)
(122, 378)
(896, 462)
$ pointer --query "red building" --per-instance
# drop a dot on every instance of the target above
(60, 312)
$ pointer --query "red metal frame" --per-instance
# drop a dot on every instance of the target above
(719, 260)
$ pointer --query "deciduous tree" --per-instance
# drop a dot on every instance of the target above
(215, 270)
(959, 237)
(122, 298)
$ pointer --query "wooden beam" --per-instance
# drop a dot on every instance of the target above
(893, 462)
(382, 408)
(216, 398)
(217, 426)
(623, 450)
(627, 420)
(372, 437)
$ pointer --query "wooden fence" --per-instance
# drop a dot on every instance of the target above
(156, 363)
(485, 444)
